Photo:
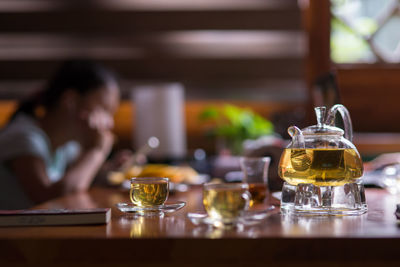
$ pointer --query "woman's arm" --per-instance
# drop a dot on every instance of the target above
(31, 172)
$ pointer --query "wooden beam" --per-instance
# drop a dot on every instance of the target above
(177, 69)
(119, 21)
(317, 21)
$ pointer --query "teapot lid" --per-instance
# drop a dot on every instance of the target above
(322, 130)
(322, 127)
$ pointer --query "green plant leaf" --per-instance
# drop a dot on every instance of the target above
(209, 113)
(236, 124)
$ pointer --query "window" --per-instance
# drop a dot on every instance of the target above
(365, 31)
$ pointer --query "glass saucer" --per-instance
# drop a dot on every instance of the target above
(130, 208)
(249, 218)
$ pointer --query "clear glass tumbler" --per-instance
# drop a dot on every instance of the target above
(255, 170)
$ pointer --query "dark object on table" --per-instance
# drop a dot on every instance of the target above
(326, 93)
(54, 217)
(397, 213)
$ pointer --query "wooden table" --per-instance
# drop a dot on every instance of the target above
(173, 240)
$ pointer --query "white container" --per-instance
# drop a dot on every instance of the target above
(160, 113)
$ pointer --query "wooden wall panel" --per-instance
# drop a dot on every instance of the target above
(372, 95)
(138, 39)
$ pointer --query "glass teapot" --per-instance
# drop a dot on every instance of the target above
(317, 160)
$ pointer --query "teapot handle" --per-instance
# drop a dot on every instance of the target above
(348, 126)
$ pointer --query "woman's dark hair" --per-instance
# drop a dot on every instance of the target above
(83, 76)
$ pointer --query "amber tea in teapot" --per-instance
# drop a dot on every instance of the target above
(322, 167)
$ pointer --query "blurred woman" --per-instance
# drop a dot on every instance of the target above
(55, 143)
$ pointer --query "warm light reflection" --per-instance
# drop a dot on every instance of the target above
(191, 5)
(219, 43)
(192, 44)
(142, 227)
(321, 225)
(42, 46)
(155, 226)
(40, 5)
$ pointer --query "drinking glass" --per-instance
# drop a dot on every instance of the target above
(226, 202)
(149, 191)
(255, 170)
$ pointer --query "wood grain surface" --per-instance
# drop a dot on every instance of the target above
(173, 240)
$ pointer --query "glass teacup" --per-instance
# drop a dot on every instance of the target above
(255, 170)
(149, 191)
(226, 202)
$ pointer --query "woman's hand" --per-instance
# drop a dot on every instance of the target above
(100, 120)
(97, 133)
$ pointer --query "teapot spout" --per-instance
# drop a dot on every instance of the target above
(294, 131)
(297, 137)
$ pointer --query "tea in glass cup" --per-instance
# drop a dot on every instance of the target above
(255, 170)
(149, 191)
(226, 202)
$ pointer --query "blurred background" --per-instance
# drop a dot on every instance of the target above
(264, 58)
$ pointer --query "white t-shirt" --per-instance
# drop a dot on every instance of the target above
(22, 137)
